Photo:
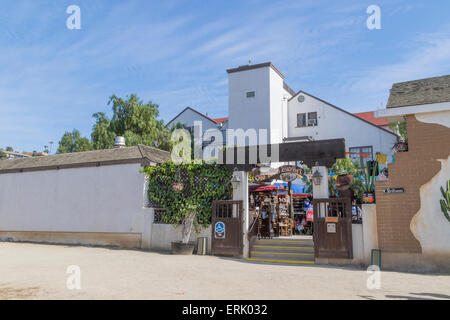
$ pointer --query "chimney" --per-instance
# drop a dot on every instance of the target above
(119, 142)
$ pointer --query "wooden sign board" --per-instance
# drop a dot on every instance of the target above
(285, 173)
(331, 219)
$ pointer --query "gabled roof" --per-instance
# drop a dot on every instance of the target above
(189, 108)
(370, 117)
(137, 154)
(220, 120)
(419, 92)
(337, 108)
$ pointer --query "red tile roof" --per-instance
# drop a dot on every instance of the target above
(369, 116)
(220, 120)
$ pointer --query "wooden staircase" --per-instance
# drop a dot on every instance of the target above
(283, 250)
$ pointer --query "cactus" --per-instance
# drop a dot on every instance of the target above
(445, 204)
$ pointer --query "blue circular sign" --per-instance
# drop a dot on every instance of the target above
(219, 229)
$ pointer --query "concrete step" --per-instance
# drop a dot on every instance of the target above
(284, 256)
(282, 249)
(284, 243)
(280, 262)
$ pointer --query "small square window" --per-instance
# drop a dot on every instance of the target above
(250, 94)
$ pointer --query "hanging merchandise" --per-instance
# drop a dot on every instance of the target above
(381, 158)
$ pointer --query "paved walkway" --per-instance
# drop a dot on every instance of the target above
(37, 271)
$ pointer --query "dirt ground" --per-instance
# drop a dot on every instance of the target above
(39, 271)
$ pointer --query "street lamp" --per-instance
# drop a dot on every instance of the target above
(235, 181)
(317, 177)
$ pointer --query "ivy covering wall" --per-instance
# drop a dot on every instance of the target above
(185, 188)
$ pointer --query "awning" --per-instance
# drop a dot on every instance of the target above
(268, 187)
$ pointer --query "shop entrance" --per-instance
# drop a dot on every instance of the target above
(278, 223)
(282, 225)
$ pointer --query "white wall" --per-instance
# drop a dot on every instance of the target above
(333, 123)
(429, 225)
(369, 226)
(276, 107)
(164, 234)
(246, 113)
(94, 199)
(357, 243)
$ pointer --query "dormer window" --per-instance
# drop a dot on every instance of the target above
(250, 94)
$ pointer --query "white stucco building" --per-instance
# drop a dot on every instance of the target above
(94, 197)
(260, 99)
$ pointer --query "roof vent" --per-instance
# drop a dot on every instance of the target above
(119, 142)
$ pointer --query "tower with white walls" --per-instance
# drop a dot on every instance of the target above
(257, 99)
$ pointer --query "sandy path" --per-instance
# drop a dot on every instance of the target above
(38, 271)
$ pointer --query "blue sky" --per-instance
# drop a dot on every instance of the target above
(175, 54)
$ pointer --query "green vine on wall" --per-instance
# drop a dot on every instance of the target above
(202, 183)
(445, 204)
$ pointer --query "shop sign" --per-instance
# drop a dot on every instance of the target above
(285, 173)
(219, 230)
(394, 190)
(331, 227)
(288, 176)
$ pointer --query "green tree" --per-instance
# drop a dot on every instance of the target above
(73, 142)
(102, 136)
(133, 119)
(353, 168)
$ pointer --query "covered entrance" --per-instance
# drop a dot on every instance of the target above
(268, 221)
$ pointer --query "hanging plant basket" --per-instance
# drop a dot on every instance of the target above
(401, 147)
(178, 186)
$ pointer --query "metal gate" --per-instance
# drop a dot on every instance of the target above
(332, 228)
(226, 228)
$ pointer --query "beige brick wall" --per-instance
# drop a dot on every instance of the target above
(426, 143)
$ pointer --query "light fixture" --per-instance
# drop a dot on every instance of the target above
(235, 181)
(317, 177)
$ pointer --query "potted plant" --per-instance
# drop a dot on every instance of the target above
(188, 213)
(369, 182)
(401, 145)
(178, 186)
